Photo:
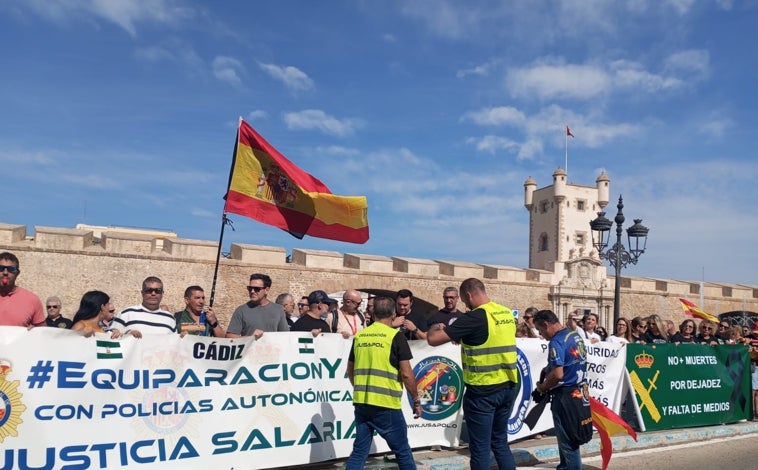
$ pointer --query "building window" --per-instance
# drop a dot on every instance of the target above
(543, 242)
(544, 206)
(580, 239)
(580, 205)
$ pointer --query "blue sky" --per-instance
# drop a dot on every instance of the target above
(124, 113)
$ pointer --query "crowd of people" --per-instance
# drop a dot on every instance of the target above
(486, 332)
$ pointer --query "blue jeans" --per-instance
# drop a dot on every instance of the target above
(571, 457)
(487, 422)
(390, 425)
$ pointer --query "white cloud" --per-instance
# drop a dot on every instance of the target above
(493, 143)
(257, 114)
(292, 77)
(171, 50)
(228, 69)
(691, 65)
(496, 116)
(630, 75)
(482, 70)
(317, 119)
(124, 13)
(552, 81)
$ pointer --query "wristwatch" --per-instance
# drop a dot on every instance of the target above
(214, 325)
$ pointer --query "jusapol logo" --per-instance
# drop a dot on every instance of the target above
(11, 407)
(440, 384)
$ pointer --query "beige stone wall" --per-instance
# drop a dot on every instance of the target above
(69, 262)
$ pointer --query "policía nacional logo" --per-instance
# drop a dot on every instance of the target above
(11, 407)
(440, 384)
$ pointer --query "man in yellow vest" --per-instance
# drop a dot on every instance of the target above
(487, 334)
(378, 367)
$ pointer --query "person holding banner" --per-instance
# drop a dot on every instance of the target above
(565, 382)
(95, 315)
(378, 368)
(487, 334)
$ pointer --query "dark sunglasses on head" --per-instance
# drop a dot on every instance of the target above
(153, 290)
(11, 269)
(254, 288)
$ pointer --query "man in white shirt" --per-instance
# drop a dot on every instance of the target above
(147, 317)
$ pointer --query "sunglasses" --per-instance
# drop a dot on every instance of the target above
(112, 311)
(11, 269)
(302, 305)
(450, 298)
(153, 290)
(254, 288)
(707, 328)
(53, 306)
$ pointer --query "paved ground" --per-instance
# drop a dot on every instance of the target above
(532, 451)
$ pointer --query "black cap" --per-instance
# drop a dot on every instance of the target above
(318, 297)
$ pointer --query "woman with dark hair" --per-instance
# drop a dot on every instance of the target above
(639, 328)
(686, 332)
(95, 314)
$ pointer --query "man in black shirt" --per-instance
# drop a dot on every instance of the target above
(449, 313)
(318, 305)
(412, 324)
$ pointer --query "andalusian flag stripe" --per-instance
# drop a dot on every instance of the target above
(109, 350)
(306, 345)
(267, 187)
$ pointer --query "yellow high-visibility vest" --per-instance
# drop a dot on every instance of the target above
(375, 380)
(493, 362)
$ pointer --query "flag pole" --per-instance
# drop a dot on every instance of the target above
(567, 152)
(224, 219)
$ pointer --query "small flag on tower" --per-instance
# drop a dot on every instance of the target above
(568, 132)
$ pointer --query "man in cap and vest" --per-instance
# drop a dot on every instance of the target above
(487, 334)
(378, 367)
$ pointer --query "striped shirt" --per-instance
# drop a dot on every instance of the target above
(149, 322)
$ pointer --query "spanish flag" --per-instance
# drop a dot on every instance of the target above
(608, 424)
(695, 311)
(265, 186)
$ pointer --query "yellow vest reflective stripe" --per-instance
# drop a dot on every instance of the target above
(375, 381)
(493, 362)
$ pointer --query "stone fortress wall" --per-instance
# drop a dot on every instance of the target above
(68, 262)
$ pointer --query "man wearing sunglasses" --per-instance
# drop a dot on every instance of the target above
(18, 306)
(259, 314)
(54, 317)
(147, 317)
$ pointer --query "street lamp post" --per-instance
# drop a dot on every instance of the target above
(618, 255)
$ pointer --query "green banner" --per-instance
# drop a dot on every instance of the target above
(687, 385)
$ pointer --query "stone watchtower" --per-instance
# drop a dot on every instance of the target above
(560, 240)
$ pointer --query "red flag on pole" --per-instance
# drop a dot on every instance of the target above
(264, 185)
(568, 132)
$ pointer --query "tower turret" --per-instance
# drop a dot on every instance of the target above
(603, 189)
(529, 186)
(559, 184)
